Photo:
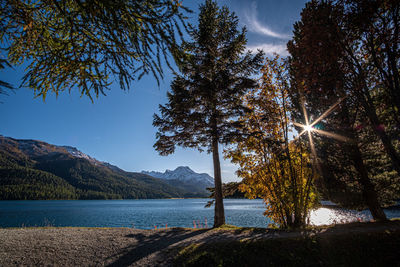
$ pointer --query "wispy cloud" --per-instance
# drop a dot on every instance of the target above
(255, 26)
(270, 49)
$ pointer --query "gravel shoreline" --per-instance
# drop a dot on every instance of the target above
(75, 246)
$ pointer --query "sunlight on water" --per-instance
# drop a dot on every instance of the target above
(244, 207)
(324, 216)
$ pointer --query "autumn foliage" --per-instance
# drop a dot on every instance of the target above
(273, 166)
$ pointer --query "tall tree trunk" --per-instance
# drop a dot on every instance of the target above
(219, 214)
(368, 190)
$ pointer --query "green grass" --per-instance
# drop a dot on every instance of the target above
(344, 249)
(228, 227)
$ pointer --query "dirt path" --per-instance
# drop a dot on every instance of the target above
(131, 247)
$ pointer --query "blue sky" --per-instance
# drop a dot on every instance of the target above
(117, 128)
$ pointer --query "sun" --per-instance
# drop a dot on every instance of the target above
(308, 128)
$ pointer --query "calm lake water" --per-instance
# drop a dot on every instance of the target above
(145, 214)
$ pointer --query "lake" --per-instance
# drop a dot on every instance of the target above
(148, 213)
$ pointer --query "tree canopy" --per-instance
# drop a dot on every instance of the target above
(89, 44)
(274, 167)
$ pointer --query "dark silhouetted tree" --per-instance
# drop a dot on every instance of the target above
(206, 99)
(89, 44)
(328, 62)
(369, 35)
(376, 24)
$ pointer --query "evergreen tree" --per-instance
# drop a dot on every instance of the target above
(206, 99)
(328, 62)
(89, 44)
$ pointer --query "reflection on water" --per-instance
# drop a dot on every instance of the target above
(324, 216)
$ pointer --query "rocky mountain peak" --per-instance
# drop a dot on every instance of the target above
(183, 169)
(182, 173)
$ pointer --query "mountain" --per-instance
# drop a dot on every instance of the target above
(186, 179)
(31, 169)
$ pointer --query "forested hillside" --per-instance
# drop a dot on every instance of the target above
(36, 170)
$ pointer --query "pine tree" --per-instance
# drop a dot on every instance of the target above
(206, 99)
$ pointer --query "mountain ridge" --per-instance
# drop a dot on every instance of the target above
(185, 178)
(30, 167)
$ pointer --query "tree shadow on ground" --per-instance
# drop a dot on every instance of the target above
(146, 245)
(162, 245)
